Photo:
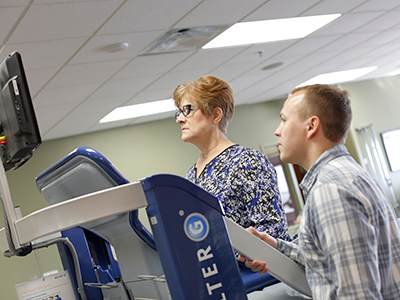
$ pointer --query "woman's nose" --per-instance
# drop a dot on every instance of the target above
(180, 118)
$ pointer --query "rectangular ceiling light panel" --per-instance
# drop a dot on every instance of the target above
(339, 77)
(139, 110)
(247, 33)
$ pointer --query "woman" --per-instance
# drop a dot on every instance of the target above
(241, 178)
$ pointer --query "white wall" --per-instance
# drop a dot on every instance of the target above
(377, 102)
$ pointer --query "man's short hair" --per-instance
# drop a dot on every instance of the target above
(331, 105)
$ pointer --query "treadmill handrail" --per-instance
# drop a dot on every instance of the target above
(84, 209)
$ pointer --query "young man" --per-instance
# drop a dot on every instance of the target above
(349, 236)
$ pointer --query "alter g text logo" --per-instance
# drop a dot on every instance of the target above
(196, 227)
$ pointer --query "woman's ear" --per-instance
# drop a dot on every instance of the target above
(312, 126)
(217, 115)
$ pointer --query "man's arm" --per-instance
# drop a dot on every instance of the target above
(346, 239)
(283, 246)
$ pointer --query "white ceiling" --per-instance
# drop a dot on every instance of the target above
(74, 82)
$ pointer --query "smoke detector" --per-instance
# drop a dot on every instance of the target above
(184, 39)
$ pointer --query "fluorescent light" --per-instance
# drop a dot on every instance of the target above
(139, 110)
(336, 77)
(394, 73)
(247, 33)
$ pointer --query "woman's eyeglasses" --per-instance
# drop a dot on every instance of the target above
(185, 110)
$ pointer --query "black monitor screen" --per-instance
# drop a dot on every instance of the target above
(20, 135)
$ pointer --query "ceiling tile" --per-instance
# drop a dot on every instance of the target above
(98, 72)
(277, 9)
(381, 38)
(309, 45)
(347, 23)
(230, 71)
(8, 17)
(207, 58)
(48, 116)
(261, 52)
(153, 65)
(331, 7)
(173, 79)
(46, 54)
(152, 95)
(144, 15)
(11, 3)
(383, 22)
(76, 94)
(38, 78)
(209, 13)
(348, 41)
(377, 5)
(127, 87)
(62, 20)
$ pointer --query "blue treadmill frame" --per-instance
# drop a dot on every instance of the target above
(158, 187)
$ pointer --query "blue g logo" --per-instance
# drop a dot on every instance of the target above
(196, 227)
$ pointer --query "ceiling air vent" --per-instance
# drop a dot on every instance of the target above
(184, 39)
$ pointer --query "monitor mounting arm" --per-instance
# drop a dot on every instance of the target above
(11, 214)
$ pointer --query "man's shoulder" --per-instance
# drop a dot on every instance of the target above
(340, 171)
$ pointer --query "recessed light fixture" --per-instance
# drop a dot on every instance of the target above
(338, 77)
(139, 110)
(272, 66)
(117, 47)
(247, 33)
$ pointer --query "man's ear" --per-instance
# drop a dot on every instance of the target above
(217, 115)
(313, 126)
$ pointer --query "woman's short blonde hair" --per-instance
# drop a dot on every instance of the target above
(208, 92)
